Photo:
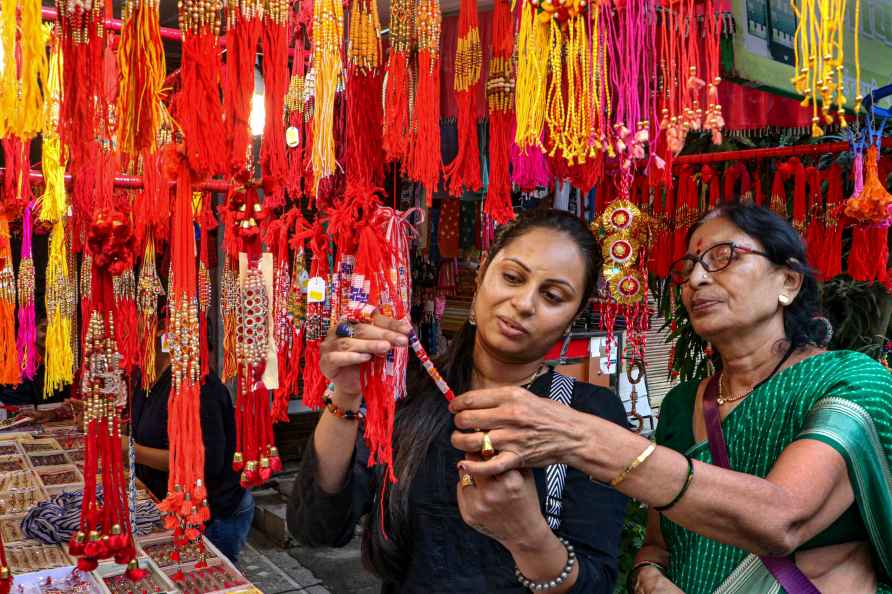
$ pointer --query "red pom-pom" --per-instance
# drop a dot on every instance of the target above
(75, 549)
(118, 542)
(266, 474)
(87, 563)
(276, 464)
(174, 555)
(94, 549)
(201, 564)
(179, 576)
(135, 574)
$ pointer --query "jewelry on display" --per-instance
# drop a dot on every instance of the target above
(635, 464)
(487, 451)
(684, 488)
(550, 584)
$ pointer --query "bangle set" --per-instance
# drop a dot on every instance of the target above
(684, 488)
(549, 584)
(631, 580)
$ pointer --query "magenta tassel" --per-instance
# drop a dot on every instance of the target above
(529, 171)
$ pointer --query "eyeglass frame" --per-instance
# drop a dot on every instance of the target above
(735, 248)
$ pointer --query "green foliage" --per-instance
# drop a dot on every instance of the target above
(634, 527)
(690, 361)
(860, 314)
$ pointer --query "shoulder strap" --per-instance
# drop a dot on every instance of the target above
(783, 569)
(556, 474)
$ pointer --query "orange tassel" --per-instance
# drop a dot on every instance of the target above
(10, 372)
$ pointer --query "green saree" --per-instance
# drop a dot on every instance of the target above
(841, 398)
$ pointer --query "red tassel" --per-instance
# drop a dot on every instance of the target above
(425, 162)
(869, 254)
(396, 107)
(710, 180)
(364, 153)
(314, 381)
(734, 174)
(831, 264)
(498, 198)
(464, 171)
(275, 76)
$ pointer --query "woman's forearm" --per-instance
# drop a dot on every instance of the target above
(152, 457)
(758, 515)
(335, 440)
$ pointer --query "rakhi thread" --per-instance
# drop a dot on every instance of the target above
(500, 102)
(328, 30)
(425, 164)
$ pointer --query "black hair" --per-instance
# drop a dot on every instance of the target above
(803, 324)
(423, 414)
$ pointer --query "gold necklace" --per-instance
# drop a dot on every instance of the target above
(540, 371)
(723, 389)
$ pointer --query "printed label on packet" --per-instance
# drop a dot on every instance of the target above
(316, 290)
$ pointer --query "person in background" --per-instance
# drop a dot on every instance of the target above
(437, 530)
(232, 506)
(801, 490)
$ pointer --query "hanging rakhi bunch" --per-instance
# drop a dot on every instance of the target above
(10, 372)
(869, 211)
(275, 76)
(624, 232)
(22, 80)
(185, 508)
(61, 286)
(142, 67)
(464, 170)
(83, 46)
(198, 106)
(256, 456)
(26, 341)
(633, 80)
(690, 38)
(397, 122)
(105, 529)
(364, 155)
(148, 290)
(819, 50)
(242, 35)
(500, 104)
(425, 162)
(328, 32)
(532, 78)
(318, 313)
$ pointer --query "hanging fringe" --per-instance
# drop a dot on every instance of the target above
(142, 66)
(397, 124)
(328, 31)
(26, 341)
(10, 370)
(532, 77)
(275, 76)
(425, 161)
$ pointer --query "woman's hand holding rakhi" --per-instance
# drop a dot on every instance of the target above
(349, 345)
(525, 431)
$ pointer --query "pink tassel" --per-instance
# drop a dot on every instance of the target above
(529, 171)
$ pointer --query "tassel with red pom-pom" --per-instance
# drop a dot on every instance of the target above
(397, 125)
(425, 164)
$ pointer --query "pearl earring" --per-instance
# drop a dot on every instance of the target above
(784, 300)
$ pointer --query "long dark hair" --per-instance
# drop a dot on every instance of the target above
(784, 246)
(423, 414)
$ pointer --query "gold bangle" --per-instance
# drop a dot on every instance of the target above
(635, 464)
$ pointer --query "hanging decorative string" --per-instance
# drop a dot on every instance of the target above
(105, 528)
(532, 77)
(24, 75)
(869, 211)
(149, 289)
(364, 156)
(328, 31)
(819, 58)
(464, 170)
(185, 508)
(500, 103)
(142, 69)
(10, 370)
(275, 77)
(397, 124)
(198, 107)
(26, 341)
(425, 161)
(242, 35)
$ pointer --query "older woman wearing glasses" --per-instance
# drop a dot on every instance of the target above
(771, 475)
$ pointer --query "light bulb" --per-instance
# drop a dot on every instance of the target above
(257, 119)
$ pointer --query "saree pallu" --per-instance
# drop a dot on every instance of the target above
(840, 398)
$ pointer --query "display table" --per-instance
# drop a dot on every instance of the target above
(37, 465)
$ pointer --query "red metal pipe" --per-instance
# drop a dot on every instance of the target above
(769, 153)
(50, 14)
(135, 182)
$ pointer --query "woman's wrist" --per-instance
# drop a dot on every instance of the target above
(345, 399)
(539, 557)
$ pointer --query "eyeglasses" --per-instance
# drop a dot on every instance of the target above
(715, 259)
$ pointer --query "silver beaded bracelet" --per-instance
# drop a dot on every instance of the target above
(548, 585)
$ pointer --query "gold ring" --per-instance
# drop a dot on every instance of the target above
(467, 480)
(487, 451)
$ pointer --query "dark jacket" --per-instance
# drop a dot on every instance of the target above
(446, 554)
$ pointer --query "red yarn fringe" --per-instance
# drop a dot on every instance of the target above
(869, 254)
(396, 108)
(498, 198)
(364, 156)
(275, 76)
(425, 161)
(198, 107)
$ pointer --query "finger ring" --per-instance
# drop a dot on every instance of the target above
(487, 451)
(344, 330)
(467, 480)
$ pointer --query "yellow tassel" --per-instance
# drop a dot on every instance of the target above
(34, 36)
(328, 25)
(9, 84)
(60, 307)
(532, 74)
(53, 203)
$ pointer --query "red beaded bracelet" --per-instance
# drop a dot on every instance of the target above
(350, 415)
